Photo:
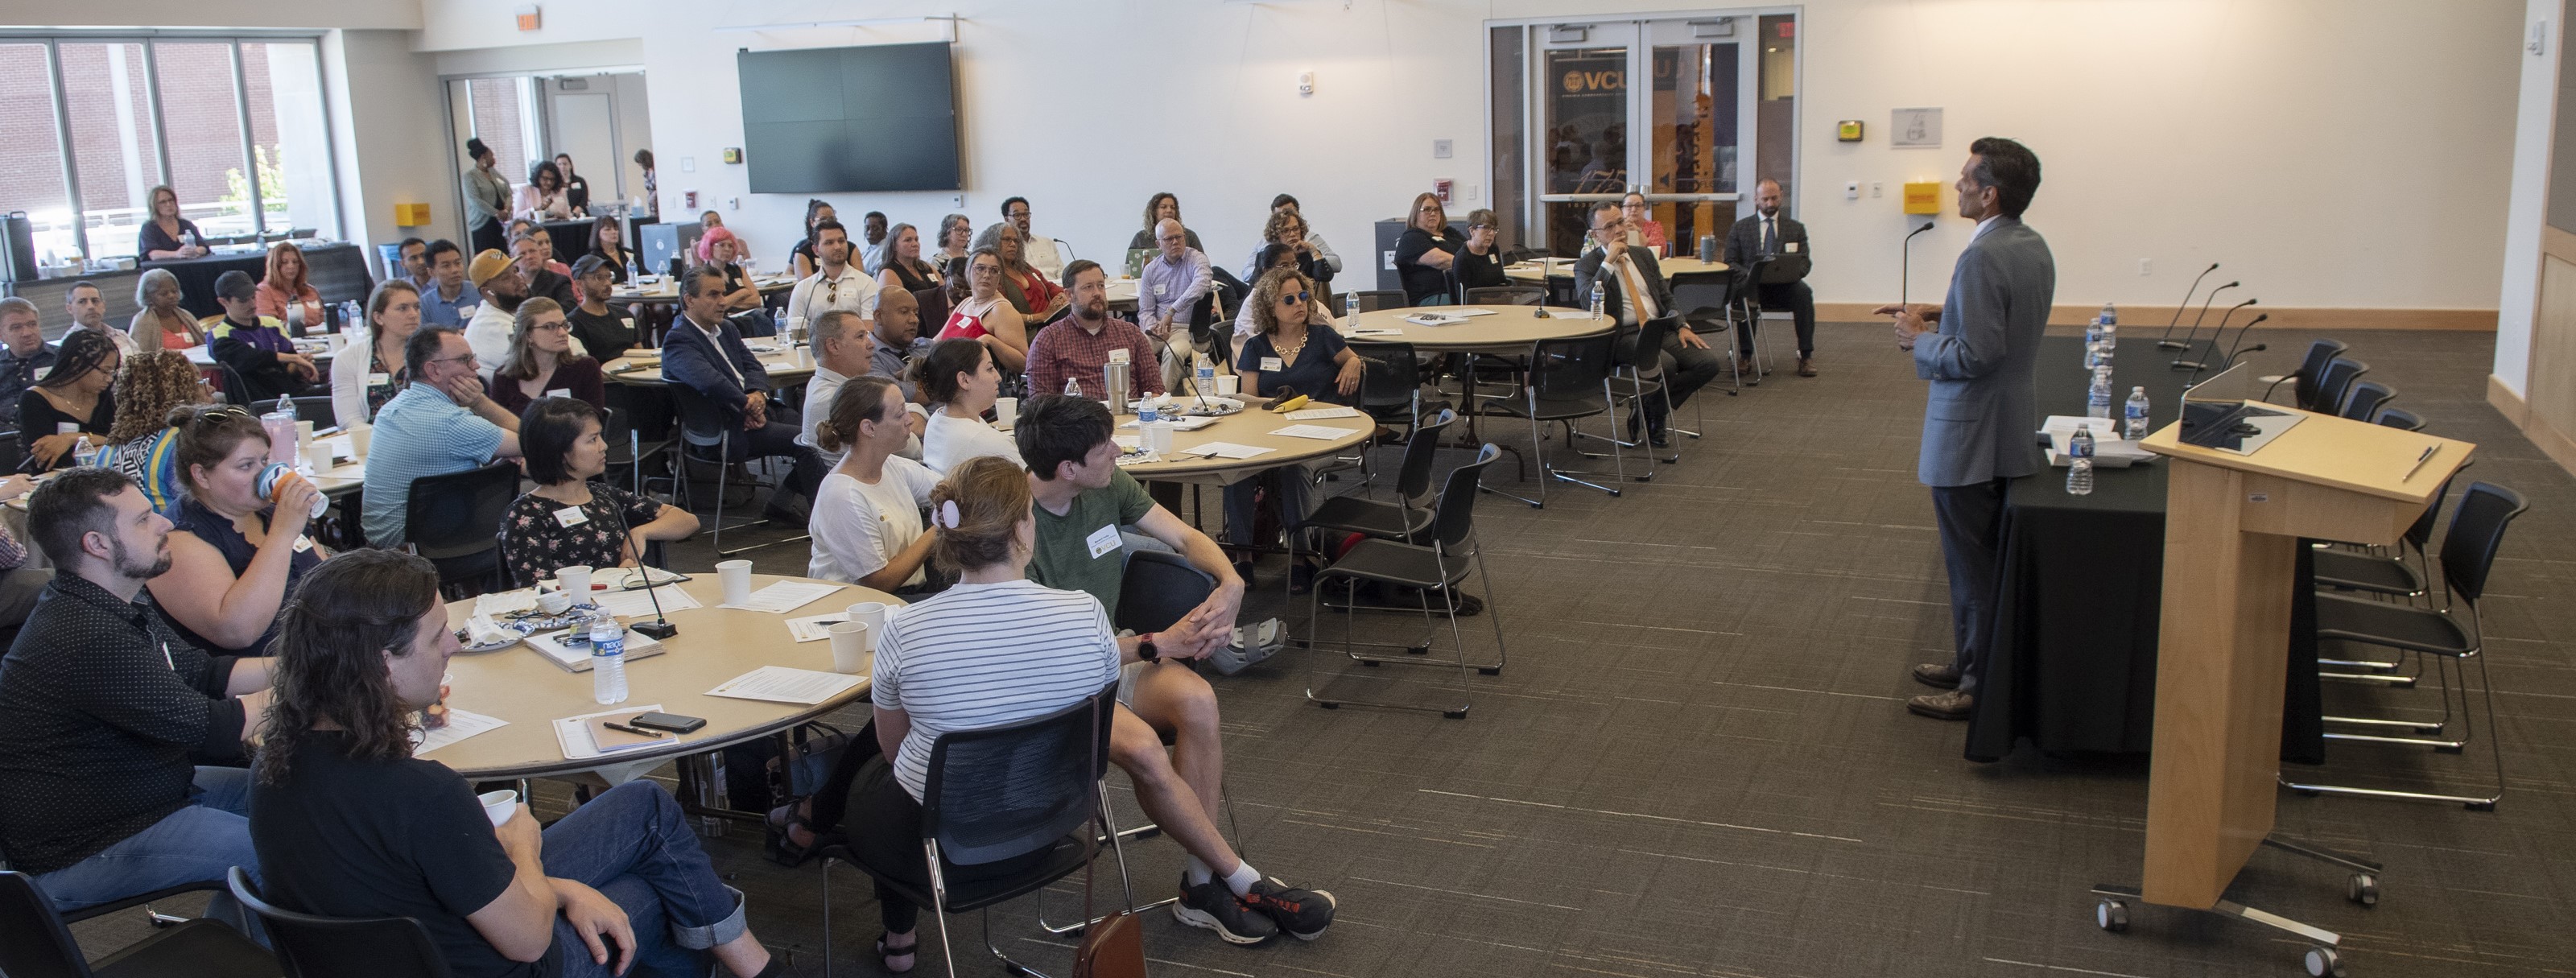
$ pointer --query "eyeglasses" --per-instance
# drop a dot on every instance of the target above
(468, 358)
(1298, 299)
(558, 326)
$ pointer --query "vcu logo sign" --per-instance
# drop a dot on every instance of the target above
(1582, 82)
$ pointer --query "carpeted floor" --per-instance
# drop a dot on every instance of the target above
(1698, 761)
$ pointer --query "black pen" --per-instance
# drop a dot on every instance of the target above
(614, 725)
(2420, 460)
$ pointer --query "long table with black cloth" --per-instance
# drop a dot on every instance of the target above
(2072, 666)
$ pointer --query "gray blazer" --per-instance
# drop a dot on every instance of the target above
(1979, 418)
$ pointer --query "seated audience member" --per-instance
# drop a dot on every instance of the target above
(608, 244)
(1167, 296)
(576, 186)
(1028, 290)
(1313, 238)
(1082, 344)
(897, 343)
(1043, 253)
(234, 555)
(1164, 206)
(369, 369)
(440, 423)
(109, 712)
(349, 824)
(88, 307)
(1286, 229)
(255, 346)
(959, 380)
(504, 288)
(835, 283)
(899, 265)
(719, 249)
(447, 299)
(167, 236)
(73, 402)
(986, 316)
(1424, 254)
(542, 197)
(604, 332)
(956, 239)
(1762, 234)
(841, 351)
(1640, 219)
(568, 520)
(542, 363)
(531, 253)
(1292, 353)
(20, 585)
(24, 355)
(285, 292)
(872, 230)
(1247, 324)
(159, 323)
(1480, 264)
(867, 516)
(802, 258)
(159, 391)
(704, 352)
(415, 262)
(1633, 291)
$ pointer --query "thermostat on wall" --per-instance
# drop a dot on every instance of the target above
(1847, 131)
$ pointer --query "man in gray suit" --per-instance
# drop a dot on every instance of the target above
(1979, 350)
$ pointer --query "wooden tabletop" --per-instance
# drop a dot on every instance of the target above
(2371, 459)
(1538, 271)
(667, 291)
(522, 686)
(319, 348)
(787, 363)
(1511, 329)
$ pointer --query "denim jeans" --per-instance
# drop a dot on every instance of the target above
(633, 845)
(199, 842)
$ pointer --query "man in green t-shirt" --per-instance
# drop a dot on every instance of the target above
(1085, 507)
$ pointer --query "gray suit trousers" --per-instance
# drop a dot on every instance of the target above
(1971, 522)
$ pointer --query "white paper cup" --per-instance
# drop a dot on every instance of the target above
(1228, 384)
(849, 647)
(318, 455)
(871, 614)
(304, 432)
(1006, 410)
(360, 435)
(499, 805)
(554, 602)
(736, 575)
(576, 581)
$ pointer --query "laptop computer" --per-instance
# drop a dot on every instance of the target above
(2216, 414)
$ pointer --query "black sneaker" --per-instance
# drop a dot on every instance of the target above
(1303, 914)
(1213, 906)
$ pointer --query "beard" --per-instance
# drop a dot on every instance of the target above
(508, 303)
(1095, 310)
(126, 566)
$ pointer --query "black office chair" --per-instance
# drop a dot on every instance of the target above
(34, 943)
(455, 521)
(2468, 555)
(627, 447)
(1506, 295)
(318, 410)
(2364, 399)
(1002, 793)
(1372, 300)
(934, 310)
(2303, 390)
(313, 946)
(1636, 378)
(2333, 382)
(2401, 418)
(1569, 381)
(12, 454)
(705, 437)
(1434, 569)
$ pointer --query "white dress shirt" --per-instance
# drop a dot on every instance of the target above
(821, 292)
(1042, 253)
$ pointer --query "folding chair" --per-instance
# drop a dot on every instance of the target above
(1432, 568)
(1569, 381)
(34, 943)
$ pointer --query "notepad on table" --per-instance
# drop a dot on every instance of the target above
(574, 735)
(780, 684)
(1319, 432)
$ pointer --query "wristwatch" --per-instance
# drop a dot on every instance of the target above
(1145, 648)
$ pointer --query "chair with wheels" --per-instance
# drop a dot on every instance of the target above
(706, 438)
(1372, 300)
(1569, 381)
(1003, 793)
(314, 946)
(2363, 401)
(35, 943)
(2303, 381)
(455, 521)
(1434, 569)
(2333, 382)
(2450, 637)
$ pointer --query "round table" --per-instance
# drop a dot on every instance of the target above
(1252, 427)
(520, 685)
(1511, 329)
(1541, 270)
(784, 364)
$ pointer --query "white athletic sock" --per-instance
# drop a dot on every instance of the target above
(1241, 880)
(1198, 872)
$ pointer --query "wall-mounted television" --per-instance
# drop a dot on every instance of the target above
(875, 118)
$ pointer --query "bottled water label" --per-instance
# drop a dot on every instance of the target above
(2133, 416)
(608, 661)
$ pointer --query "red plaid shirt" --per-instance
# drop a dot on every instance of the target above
(1067, 350)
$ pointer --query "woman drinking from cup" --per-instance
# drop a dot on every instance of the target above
(568, 520)
(237, 542)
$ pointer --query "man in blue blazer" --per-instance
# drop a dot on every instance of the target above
(1979, 350)
(712, 360)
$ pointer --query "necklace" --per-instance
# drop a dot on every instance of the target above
(1288, 354)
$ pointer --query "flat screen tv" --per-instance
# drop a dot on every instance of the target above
(875, 118)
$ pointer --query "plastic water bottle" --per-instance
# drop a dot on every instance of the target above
(1072, 387)
(2133, 417)
(607, 661)
(1597, 302)
(1350, 308)
(2098, 403)
(1204, 371)
(84, 454)
(2092, 344)
(2079, 471)
(2110, 332)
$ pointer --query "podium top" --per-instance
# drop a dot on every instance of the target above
(2371, 459)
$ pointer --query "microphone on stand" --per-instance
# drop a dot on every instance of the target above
(2166, 340)
(2240, 341)
(660, 628)
(1905, 264)
(2196, 366)
(2185, 345)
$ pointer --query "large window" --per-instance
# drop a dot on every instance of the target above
(235, 126)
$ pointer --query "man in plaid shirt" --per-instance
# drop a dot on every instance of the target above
(1080, 344)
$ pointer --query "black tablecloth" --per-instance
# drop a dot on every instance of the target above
(571, 238)
(338, 271)
(2073, 664)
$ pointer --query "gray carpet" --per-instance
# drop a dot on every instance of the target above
(1698, 761)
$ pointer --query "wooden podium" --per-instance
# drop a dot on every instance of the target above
(2232, 526)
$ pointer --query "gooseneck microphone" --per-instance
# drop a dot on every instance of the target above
(2240, 341)
(1905, 264)
(2196, 366)
(660, 628)
(2166, 340)
(2185, 345)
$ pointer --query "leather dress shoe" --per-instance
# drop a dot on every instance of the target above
(1953, 705)
(1938, 675)
(1806, 367)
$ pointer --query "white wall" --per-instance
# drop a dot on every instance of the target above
(389, 120)
(2336, 153)
(2534, 124)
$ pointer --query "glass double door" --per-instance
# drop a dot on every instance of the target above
(1664, 107)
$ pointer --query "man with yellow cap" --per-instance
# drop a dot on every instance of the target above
(503, 288)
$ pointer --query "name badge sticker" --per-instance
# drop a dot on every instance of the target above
(1118, 355)
(1272, 364)
(1103, 541)
(571, 516)
(1790, 247)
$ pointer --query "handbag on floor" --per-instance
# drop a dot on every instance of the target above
(1114, 947)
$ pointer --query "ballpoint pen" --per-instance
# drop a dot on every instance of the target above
(2420, 460)
(614, 725)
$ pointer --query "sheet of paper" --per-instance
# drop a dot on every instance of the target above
(1319, 432)
(460, 725)
(577, 657)
(505, 602)
(1226, 449)
(625, 577)
(1434, 319)
(780, 684)
(574, 737)
(637, 604)
(1471, 311)
(1371, 331)
(784, 596)
(1318, 414)
(815, 628)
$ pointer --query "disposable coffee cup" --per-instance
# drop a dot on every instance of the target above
(554, 602)
(360, 435)
(318, 455)
(576, 581)
(304, 432)
(871, 614)
(849, 647)
(499, 806)
(1006, 410)
(736, 575)
(1228, 384)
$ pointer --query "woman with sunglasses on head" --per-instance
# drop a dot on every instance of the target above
(234, 554)
(73, 401)
(986, 316)
(159, 390)
(541, 362)
(1293, 352)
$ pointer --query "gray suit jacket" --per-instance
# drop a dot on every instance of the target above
(1979, 419)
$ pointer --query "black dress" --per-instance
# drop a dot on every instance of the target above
(38, 417)
(153, 240)
(1423, 284)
